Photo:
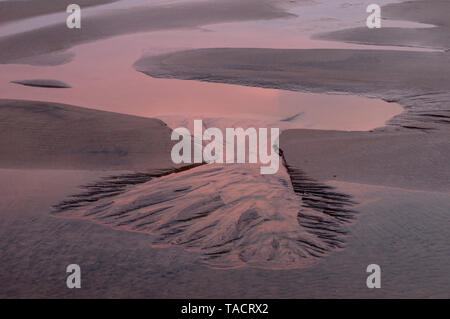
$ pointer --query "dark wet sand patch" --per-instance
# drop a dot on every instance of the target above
(43, 83)
(412, 160)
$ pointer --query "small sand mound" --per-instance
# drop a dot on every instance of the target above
(44, 83)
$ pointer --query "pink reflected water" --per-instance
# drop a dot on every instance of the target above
(102, 77)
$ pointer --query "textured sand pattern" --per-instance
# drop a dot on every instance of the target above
(231, 214)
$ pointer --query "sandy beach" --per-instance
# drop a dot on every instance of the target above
(87, 176)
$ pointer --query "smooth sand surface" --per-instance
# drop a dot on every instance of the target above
(409, 160)
(361, 71)
(49, 135)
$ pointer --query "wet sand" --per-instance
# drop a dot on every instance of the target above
(122, 264)
(404, 159)
(137, 94)
(433, 12)
(49, 135)
(402, 221)
(398, 155)
(408, 155)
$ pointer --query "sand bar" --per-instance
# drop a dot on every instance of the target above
(50, 135)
